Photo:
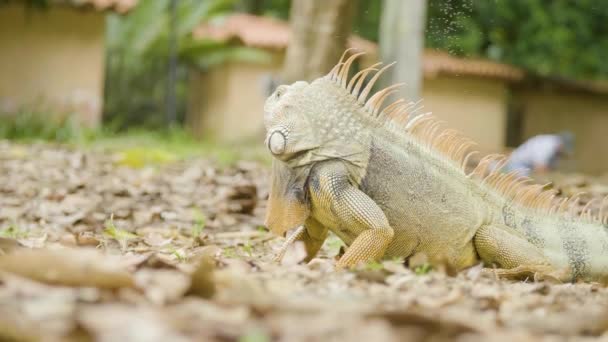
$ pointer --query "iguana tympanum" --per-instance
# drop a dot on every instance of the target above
(392, 186)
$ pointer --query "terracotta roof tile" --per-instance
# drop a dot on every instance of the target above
(268, 33)
(438, 62)
(120, 6)
(261, 32)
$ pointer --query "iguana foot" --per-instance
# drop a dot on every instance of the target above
(370, 245)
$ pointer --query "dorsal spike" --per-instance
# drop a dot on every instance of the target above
(343, 76)
(416, 120)
(344, 54)
(602, 213)
(480, 168)
(371, 82)
(401, 115)
(563, 204)
(465, 162)
(396, 112)
(588, 205)
(365, 71)
(334, 71)
(375, 102)
(509, 179)
(521, 183)
(353, 80)
(572, 206)
(463, 148)
(393, 106)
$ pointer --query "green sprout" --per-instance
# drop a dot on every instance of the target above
(247, 248)
(423, 269)
(120, 235)
(13, 232)
(200, 220)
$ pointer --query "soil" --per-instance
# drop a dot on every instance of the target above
(92, 249)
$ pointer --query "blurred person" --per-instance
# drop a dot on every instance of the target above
(540, 153)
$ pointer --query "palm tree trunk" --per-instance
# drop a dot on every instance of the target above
(319, 34)
(402, 40)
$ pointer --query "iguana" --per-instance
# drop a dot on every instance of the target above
(391, 186)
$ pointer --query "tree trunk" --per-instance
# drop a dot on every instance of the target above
(402, 40)
(319, 34)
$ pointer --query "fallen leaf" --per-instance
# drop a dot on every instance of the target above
(202, 281)
(69, 267)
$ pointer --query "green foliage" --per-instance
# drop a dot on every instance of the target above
(13, 232)
(42, 125)
(272, 8)
(374, 266)
(255, 336)
(159, 147)
(562, 37)
(334, 244)
(247, 248)
(116, 233)
(179, 256)
(367, 19)
(200, 220)
(137, 59)
(138, 157)
(423, 269)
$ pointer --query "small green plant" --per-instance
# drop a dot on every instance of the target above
(374, 266)
(34, 124)
(120, 235)
(200, 220)
(423, 269)
(254, 336)
(139, 157)
(13, 232)
(261, 229)
(178, 255)
(229, 252)
(334, 244)
(247, 248)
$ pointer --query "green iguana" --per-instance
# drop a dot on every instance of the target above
(392, 186)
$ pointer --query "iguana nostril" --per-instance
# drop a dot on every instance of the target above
(276, 143)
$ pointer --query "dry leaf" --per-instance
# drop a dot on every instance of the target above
(202, 282)
(69, 267)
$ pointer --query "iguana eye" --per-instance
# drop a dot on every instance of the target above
(280, 91)
(277, 143)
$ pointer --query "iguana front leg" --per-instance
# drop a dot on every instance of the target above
(312, 234)
(353, 212)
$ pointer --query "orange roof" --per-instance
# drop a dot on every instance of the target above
(438, 62)
(120, 6)
(261, 32)
(269, 33)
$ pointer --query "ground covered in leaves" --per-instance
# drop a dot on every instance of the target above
(93, 248)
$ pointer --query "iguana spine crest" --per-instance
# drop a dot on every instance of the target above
(451, 144)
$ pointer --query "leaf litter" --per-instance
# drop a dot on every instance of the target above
(95, 249)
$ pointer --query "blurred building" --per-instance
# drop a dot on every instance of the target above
(548, 105)
(227, 100)
(52, 57)
(497, 105)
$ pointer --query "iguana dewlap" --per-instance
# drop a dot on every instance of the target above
(388, 185)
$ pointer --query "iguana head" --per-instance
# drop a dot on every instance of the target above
(308, 123)
(312, 122)
(290, 131)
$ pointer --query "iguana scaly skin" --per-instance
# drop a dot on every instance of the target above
(391, 186)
